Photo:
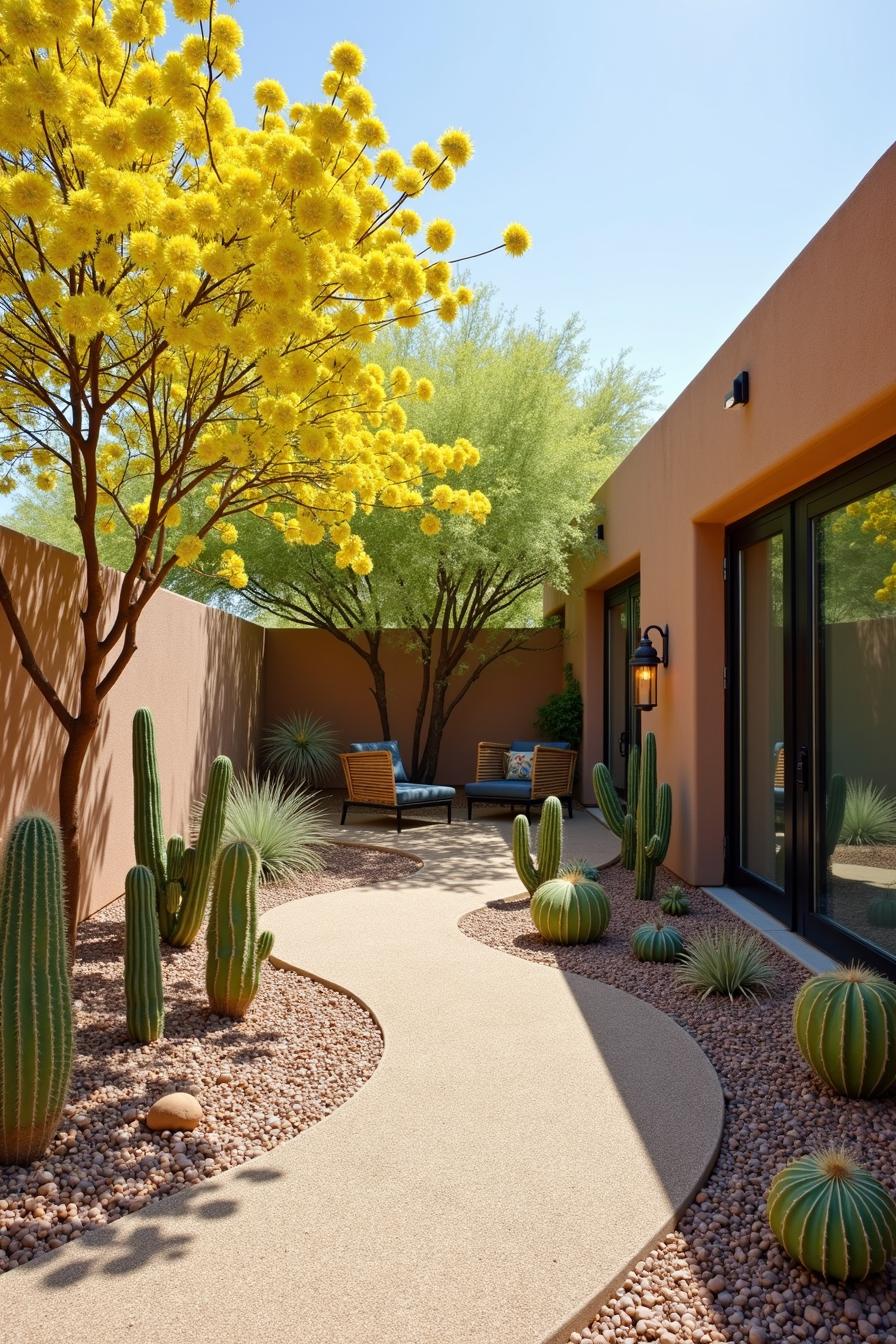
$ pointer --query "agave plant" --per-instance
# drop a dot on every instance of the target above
(869, 817)
(286, 826)
(726, 961)
(301, 748)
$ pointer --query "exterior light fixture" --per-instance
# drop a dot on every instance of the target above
(644, 663)
(599, 532)
(740, 391)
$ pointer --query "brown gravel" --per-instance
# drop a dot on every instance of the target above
(302, 1050)
(720, 1275)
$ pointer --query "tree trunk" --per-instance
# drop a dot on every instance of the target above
(378, 675)
(429, 757)
(79, 739)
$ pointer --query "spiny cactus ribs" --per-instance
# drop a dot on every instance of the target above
(236, 951)
(550, 845)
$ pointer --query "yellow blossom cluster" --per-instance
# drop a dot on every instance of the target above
(186, 304)
(878, 520)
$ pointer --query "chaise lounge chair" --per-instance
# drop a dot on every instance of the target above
(375, 778)
(553, 768)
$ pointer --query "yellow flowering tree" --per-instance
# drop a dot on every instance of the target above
(185, 311)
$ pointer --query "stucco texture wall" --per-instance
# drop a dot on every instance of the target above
(197, 669)
(820, 348)
(311, 671)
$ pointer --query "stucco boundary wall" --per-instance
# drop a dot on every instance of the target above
(198, 670)
(820, 348)
(213, 682)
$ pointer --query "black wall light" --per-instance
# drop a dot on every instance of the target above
(740, 391)
(644, 663)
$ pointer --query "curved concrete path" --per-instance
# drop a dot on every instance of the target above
(526, 1136)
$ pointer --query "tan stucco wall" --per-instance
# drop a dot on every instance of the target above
(197, 669)
(309, 670)
(820, 348)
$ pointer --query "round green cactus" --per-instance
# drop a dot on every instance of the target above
(571, 910)
(657, 942)
(882, 911)
(832, 1216)
(675, 902)
(845, 1026)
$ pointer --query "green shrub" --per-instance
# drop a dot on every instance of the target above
(560, 717)
(286, 826)
(869, 817)
(726, 961)
(301, 748)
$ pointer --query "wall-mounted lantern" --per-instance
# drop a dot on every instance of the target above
(740, 391)
(644, 663)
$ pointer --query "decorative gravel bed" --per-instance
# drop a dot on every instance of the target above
(721, 1276)
(301, 1051)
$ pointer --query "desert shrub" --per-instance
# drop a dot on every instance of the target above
(869, 817)
(301, 748)
(286, 826)
(726, 961)
(560, 717)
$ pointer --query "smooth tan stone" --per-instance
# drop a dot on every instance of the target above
(176, 1110)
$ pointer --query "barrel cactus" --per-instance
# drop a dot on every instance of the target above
(620, 823)
(845, 1027)
(142, 959)
(571, 910)
(182, 876)
(657, 942)
(832, 1215)
(236, 951)
(675, 902)
(36, 1035)
(882, 911)
(550, 844)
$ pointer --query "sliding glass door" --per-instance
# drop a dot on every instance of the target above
(621, 721)
(812, 711)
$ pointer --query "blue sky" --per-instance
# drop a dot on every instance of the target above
(670, 157)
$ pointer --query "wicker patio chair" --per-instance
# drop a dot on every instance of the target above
(553, 770)
(375, 778)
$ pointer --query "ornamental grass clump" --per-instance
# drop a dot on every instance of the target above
(285, 826)
(869, 816)
(301, 748)
(726, 961)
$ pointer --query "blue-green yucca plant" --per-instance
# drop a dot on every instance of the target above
(286, 827)
(869, 816)
(726, 961)
(301, 748)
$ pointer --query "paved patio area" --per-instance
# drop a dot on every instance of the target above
(526, 1136)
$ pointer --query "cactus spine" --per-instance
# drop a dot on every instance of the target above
(182, 876)
(236, 952)
(550, 844)
(654, 825)
(36, 1036)
(620, 823)
(142, 959)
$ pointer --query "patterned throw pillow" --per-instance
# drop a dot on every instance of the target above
(519, 765)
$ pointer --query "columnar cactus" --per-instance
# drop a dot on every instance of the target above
(571, 910)
(657, 942)
(36, 1036)
(620, 823)
(236, 952)
(845, 1026)
(142, 960)
(654, 824)
(832, 1215)
(550, 845)
(182, 876)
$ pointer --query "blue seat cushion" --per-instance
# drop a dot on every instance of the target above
(530, 746)
(408, 794)
(505, 789)
(392, 748)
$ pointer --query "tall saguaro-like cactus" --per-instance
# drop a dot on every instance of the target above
(550, 845)
(654, 823)
(236, 951)
(182, 875)
(36, 1035)
(142, 962)
(620, 823)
